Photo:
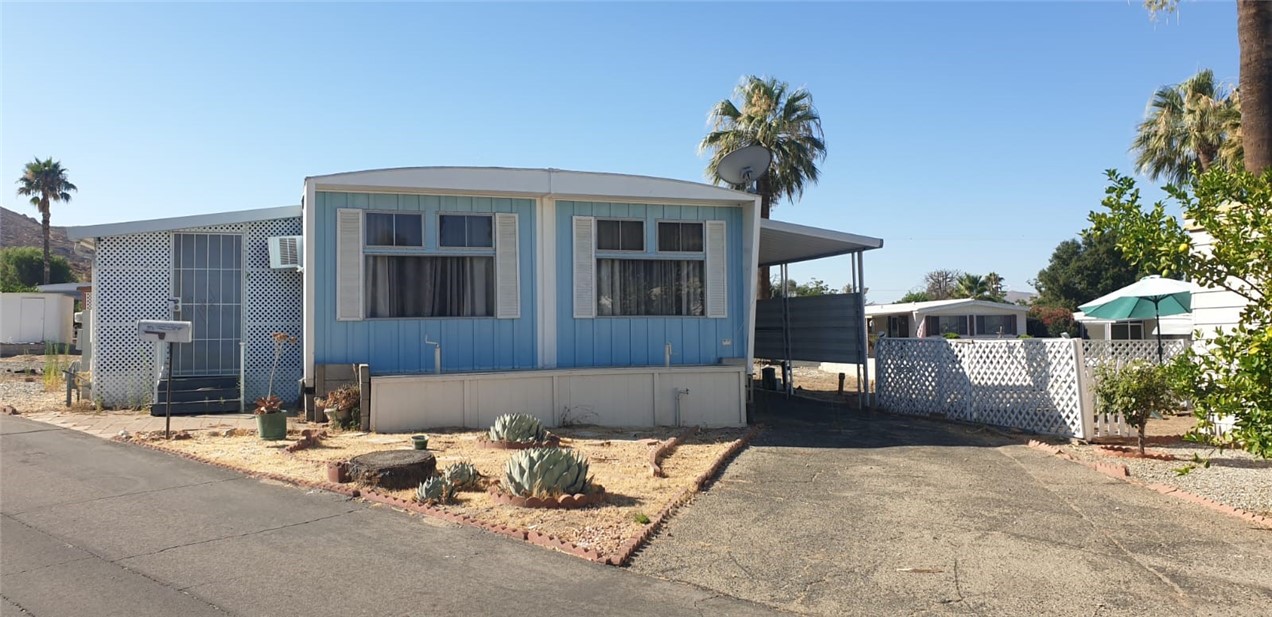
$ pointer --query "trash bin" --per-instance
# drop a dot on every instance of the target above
(768, 378)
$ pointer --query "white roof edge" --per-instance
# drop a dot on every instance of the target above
(530, 181)
(867, 242)
(181, 222)
(910, 307)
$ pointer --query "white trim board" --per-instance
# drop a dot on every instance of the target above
(182, 222)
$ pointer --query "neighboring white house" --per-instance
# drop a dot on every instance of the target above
(1173, 327)
(36, 318)
(1213, 308)
(965, 317)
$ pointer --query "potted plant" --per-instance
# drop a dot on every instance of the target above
(343, 402)
(271, 422)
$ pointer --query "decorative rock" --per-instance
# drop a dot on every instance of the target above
(393, 469)
(9, 410)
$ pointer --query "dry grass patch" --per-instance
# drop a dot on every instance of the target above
(619, 461)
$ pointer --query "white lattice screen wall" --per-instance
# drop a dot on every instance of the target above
(1028, 384)
(1121, 352)
(133, 281)
(273, 301)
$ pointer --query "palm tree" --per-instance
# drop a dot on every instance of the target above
(780, 119)
(1187, 125)
(972, 286)
(994, 283)
(45, 182)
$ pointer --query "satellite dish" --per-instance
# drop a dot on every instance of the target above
(744, 165)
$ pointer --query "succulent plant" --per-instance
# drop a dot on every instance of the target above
(517, 428)
(462, 475)
(435, 490)
(546, 472)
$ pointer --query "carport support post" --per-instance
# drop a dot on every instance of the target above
(167, 415)
(788, 372)
(863, 385)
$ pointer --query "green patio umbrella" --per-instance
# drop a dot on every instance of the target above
(1151, 296)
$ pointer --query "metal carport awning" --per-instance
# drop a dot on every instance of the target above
(787, 243)
(783, 243)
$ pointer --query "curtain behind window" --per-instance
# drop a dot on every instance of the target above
(649, 287)
(414, 286)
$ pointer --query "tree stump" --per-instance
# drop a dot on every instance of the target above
(393, 469)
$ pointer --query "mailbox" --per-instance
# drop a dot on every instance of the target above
(165, 331)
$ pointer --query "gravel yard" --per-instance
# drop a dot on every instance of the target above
(1236, 478)
(26, 391)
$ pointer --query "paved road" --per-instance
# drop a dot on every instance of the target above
(825, 516)
(89, 527)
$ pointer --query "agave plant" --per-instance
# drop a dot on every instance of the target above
(435, 490)
(462, 475)
(546, 472)
(517, 428)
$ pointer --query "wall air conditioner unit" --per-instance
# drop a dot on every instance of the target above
(286, 252)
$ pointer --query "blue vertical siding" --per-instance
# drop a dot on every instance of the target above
(397, 345)
(638, 341)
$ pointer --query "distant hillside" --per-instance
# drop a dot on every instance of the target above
(18, 229)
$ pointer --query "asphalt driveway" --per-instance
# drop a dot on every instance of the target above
(850, 513)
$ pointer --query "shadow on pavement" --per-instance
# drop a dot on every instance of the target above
(808, 423)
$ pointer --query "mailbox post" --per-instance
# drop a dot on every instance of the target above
(169, 332)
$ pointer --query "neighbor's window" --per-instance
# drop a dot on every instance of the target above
(942, 324)
(680, 237)
(649, 287)
(1128, 331)
(384, 229)
(616, 235)
(465, 231)
(429, 286)
(995, 324)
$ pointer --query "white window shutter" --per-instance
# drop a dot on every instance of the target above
(507, 271)
(717, 270)
(348, 264)
(584, 267)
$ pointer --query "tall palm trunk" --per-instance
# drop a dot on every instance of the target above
(44, 226)
(766, 205)
(1254, 33)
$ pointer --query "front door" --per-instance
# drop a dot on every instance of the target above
(898, 326)
(207, 279)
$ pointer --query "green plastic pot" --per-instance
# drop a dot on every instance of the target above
(420, 441)
(271, 426)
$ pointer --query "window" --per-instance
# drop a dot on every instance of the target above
(427, 286)
(680, 237)
(385, 229)
(649, 287)
(1128, 331)
(996, 324)
(465, 231)
(938, 325)
(613, 235)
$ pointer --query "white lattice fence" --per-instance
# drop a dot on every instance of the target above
(1028, 384)
(1121, 352)
(273, 302)
(133, 281)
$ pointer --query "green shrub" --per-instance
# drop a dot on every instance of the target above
(1137, 391)
(951, 335)
(546, 472)
(22, 268)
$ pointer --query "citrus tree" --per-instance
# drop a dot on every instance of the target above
(1233, 375)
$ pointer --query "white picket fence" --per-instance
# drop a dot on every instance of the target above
(1041, 385)
(1033, 384)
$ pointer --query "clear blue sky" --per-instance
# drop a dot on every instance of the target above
(967, 135)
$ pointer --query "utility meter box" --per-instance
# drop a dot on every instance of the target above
(165, 331)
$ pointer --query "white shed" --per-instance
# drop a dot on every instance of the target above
(36, 318)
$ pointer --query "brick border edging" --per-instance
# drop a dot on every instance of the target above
(629, 547)
(1122, 472)
(625, 551)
